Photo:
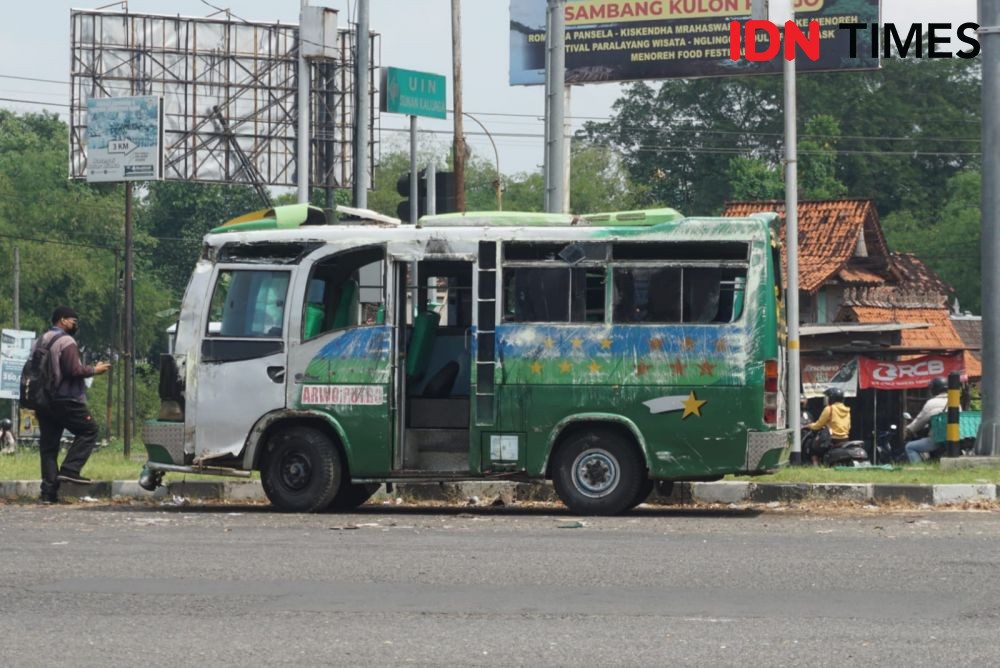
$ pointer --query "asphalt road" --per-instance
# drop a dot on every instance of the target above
(90, 585)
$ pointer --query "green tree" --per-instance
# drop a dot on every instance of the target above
(754, 179)
(176, 215)
(818, 159)
(67, 233)
(904, 130)
(946, 238)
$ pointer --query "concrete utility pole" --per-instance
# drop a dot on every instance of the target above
(456, 69)
(988, 442)
(792, 253)
(128, 325)
(362, 107)
(302, 100)
(555, 83)
(17, 325)
(780, 12)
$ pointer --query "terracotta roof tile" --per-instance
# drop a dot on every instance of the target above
(828, 234)
(862, 276)
(971, 331)
(916, 275)
(940, 335)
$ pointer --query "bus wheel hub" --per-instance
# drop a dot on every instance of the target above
(595, 473)
(295, 471)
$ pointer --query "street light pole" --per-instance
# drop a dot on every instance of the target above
(555, 84)
(988, 441)
(496, 155)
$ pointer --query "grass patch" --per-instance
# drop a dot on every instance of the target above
(106, 463)
(914, 474)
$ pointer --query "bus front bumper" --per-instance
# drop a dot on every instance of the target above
(768, 450)
(164, 441)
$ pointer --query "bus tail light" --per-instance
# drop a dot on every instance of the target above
(771, 393)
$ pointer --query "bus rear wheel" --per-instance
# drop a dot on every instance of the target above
(598, 472)
(645, 489)
(302, 470)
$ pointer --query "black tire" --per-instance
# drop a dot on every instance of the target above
(302, 470)
(645, 489)
(598, 472)
(350, 496)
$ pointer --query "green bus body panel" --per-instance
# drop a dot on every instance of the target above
(349, 380)
(690, 391)
(676, 446)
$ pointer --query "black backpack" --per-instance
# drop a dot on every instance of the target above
(37, 380)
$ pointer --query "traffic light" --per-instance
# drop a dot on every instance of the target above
(445, 200)
(403, 188)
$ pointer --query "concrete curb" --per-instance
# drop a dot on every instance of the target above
(508, 493)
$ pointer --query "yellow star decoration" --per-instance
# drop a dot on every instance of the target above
(605, 343)
(577, 344)
(565, 367)
(692, 405)
(549, 343)
(594, 367)
(536, 368)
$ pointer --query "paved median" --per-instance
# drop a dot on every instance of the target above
(507, 493)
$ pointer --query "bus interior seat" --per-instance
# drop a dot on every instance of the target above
(441, 383)
(315, 315)
(347, 306)
(425, 326)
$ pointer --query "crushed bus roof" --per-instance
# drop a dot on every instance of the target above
(647, 217)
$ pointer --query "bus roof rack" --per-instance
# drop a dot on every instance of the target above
(638, 218)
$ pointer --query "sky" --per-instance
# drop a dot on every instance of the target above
(415, 34)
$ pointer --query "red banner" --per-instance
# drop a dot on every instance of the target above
(913, 374)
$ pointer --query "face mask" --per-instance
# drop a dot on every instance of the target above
(71, 330)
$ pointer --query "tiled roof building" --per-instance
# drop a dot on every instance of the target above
(848, 274)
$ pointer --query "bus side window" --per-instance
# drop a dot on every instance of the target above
(345, 290)
(647, 295)
(674, 294)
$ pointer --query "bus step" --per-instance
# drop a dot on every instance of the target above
(438, 440)
(436, 449)
(443, 461)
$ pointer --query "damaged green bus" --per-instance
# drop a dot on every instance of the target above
(603, 353)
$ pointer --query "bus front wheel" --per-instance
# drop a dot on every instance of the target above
(598, 472)
(302, 470)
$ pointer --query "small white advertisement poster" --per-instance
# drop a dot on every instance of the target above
(124, 139)
(15, 348)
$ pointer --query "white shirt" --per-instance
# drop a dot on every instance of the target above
(934, 405)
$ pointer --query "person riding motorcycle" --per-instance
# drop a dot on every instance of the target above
(833, 426)
(938, 403)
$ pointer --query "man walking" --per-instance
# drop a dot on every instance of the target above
(67, 407)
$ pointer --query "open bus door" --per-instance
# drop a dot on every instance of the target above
(433, 312)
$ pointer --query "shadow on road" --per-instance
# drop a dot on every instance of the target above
(209, 507)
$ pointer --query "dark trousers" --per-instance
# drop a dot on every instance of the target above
(72, 415)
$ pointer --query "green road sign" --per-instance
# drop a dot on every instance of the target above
(413, 93)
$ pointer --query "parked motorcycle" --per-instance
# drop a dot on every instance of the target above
(883, 450)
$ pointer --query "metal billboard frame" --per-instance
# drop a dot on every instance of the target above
(229, 94)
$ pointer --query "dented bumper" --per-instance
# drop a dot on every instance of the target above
(164, 441)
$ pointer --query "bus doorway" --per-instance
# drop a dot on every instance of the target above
(434, 365)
